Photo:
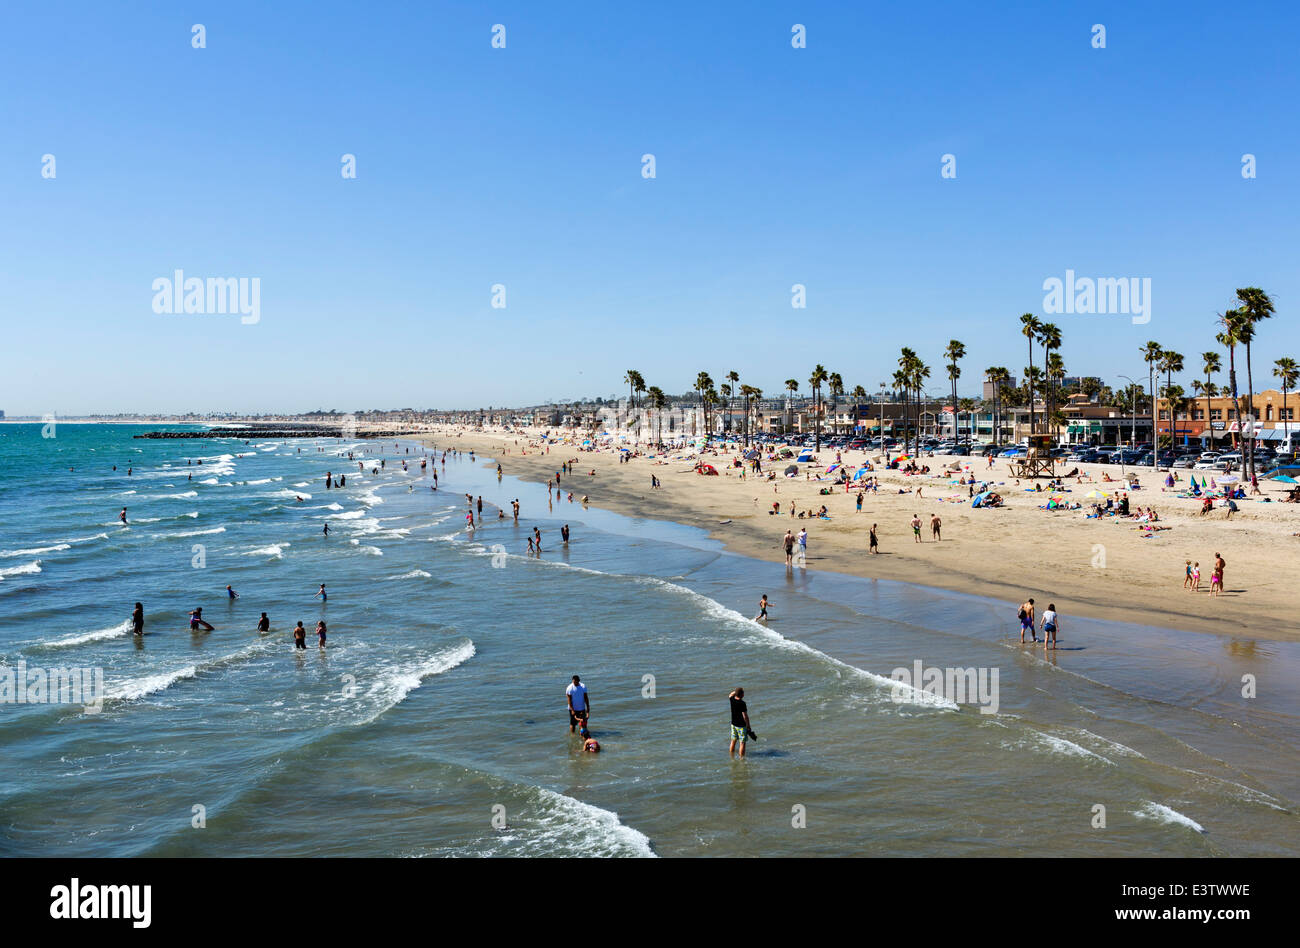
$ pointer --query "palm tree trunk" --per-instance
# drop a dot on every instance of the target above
(1250, 442)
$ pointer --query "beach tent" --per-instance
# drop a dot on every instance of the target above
(786, 453)
(792, 469)
(862, 472)
(805, 458)
(979, 499)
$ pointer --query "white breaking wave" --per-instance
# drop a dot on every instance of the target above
(395, 684)
(275, 550)
(1164, 814)
(189, 533)
(1056, 745)
(291, 494)
(181, 496)
(209, 480)
(27, 569)
(134, 688)
(36, 551)
(260, 480)
(413, 574)
(81, 638)
(350, 515)
(769, 637)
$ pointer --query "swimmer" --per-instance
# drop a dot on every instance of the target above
(321, 592)
(230, 593)
(264, 624)
(137, 620)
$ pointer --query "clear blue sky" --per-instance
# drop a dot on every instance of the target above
(522, 166)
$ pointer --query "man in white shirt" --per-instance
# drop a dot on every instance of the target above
(579, 703)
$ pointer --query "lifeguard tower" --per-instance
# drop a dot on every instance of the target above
(1038, 460)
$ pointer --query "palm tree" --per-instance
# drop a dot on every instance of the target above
(1256, 307)
(793, 386)
(1151, 355)
(901, 387)
(702, 384)
(968, 406)
(1209, 365)
(1049, 336)
(725, 390)
(1029, 328)
(1287, 372)
(859, 393)
(751, 396)
(834, 388)
(954, 352)
(818, 377)
(657, 401)
(907, 363)
(1230, 320)
(733, 377)
(1170, 362)
(998, 376)
(1209, 390)
(1055, 375)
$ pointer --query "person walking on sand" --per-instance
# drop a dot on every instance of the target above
(1196, 577)
(859, 501)
(935, 525)
(579, 703)
(874, 542)
(1026, 617)
(916, 527)
(1187, 580)
(789, 548)
(1049, 625)
(762, 609)
(740, 728)
(803, 546)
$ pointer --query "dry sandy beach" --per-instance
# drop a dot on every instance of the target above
(1106, 569)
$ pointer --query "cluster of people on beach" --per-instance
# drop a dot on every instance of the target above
(1192, 576)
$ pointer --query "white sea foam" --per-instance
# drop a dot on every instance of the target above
(1164, 814)
(413, 574)
(189, 533)
(27, 569)
(291, 494)
(134, 688)
(274, 551)
(82, 638)
(770, 637)
(1055, 745)
(181, 496)
(36, 551)
(350, 515)
(260, 480)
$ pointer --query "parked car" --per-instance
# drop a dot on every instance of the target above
(1219, 466)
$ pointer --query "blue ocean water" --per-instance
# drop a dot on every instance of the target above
(434, 722)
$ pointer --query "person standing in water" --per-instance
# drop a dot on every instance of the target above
(1050, 624)
(579, 703)
(122, 516)
(320, 632)
(327, 529)
(1026, 616)
(564, 534)
(762, 609)
(299, 635)
(321, 593)
(137, 620)
(264, 624)
(230, 592)
(740, 728)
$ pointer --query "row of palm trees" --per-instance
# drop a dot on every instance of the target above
(1238, 326)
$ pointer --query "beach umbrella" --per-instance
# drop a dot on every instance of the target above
(792, 469)
(751, 455)
(1097, 494)
(979, 498)
(1229, 479)
(1285, 479)
(831, 469)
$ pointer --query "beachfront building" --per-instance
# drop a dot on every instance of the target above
(1086, 423)
(1211, 420)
